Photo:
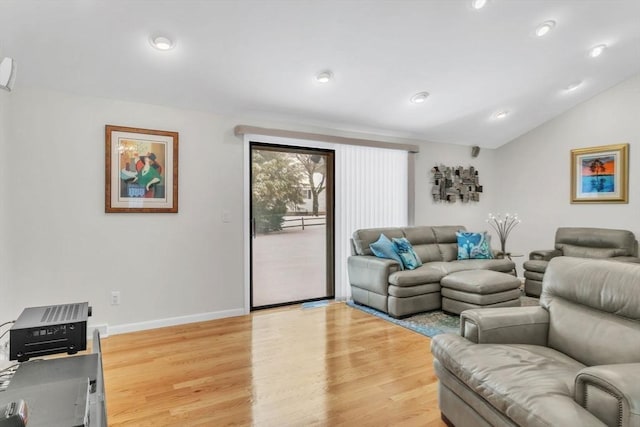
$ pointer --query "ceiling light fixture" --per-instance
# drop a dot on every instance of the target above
(324, 77)
(596, 51)
(545, 27)
(419, 97)
(162, 43)
(478, 4)
(501, 114)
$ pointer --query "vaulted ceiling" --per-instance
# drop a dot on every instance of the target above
(260, 59)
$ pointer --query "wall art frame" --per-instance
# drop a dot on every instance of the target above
(455, 183)
(600, 174)
(141, 170)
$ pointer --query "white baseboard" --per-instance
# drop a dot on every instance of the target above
(103, 328)
(173, 321)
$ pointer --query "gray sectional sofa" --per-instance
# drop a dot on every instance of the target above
(381, 284)
(572, 361)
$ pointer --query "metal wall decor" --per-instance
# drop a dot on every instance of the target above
(455, 183)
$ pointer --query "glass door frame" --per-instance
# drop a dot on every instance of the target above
(329, 155)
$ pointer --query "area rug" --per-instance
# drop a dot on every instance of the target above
(431, 323)
(315, 304)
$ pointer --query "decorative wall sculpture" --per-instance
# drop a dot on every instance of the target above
(455, 183)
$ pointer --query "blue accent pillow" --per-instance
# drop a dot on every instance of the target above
(383, 248)
(410, 259)
(474, 245)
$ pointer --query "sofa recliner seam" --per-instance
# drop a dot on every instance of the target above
(618, 398)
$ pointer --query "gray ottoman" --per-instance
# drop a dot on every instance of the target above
(478, 289)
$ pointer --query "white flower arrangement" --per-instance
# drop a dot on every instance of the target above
(503, 226)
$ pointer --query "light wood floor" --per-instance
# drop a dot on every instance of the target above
(323, 366)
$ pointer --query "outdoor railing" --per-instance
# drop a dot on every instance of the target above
(309, 222)
(288, 222)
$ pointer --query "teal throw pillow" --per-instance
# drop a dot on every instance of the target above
(383, 248)
(474, 245)
(410, 259)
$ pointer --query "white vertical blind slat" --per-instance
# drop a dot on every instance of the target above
(370, 191)
(372, 184)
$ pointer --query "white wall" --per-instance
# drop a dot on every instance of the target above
(534, 170)
(65, 248)
(5, 295)
(472, 215)
(181, 267)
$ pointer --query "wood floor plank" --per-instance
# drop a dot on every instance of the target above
(322, 366)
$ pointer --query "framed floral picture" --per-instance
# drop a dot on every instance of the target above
(141, 167)
(599, 174)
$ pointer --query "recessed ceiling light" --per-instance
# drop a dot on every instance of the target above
(501, 114)
(419, 97)
(596, 51)
(162, 43)
(324, 77)
(478, 4)
(544, 28)
(573, 86)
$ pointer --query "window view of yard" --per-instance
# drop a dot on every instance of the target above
(288, 227)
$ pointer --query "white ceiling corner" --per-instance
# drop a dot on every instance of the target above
(259, 58)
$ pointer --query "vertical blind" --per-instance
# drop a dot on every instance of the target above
(371, 191)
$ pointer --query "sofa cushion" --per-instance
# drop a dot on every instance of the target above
(403, 248)
(384, 248)
(601, 300)
(532, 385)
(534, 275)
(626, 259)
(502, 265)
(424, 242)
(427, 252)
(411, 291)
(538, 266)
(480, 281)
(482, 299)
(363, 238)
(575, 237)
(474, 245)
(447, 240)
(419, 276)
(448, 251)
(588, 252)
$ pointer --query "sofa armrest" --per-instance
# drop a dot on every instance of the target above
(611, 393)
(545, 254)
(370, 272)
(509, 325)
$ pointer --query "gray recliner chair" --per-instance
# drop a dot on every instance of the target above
(581, 242)
(572, 361)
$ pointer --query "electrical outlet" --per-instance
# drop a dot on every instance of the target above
(115, 297)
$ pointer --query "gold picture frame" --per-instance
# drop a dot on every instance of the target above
(600, 174)
(141, 170)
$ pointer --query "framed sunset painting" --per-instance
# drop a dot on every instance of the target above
(599, 174)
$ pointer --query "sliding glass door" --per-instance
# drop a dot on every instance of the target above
(292, 225)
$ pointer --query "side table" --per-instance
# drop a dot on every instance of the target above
(510, 256)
